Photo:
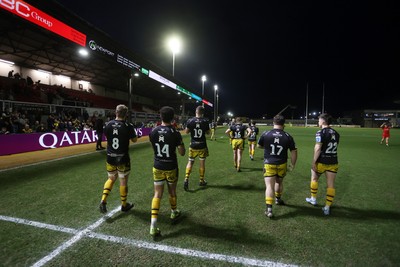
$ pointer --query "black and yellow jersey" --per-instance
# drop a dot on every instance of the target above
(276, 143)
(238, 131)
(118, 134)
(330, 141)
(198, 128)
(165, 140)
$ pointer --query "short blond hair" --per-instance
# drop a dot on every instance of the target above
(121, 111)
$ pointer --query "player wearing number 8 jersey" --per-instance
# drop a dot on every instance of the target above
(276, 143)
(165, 140)
(198, 127)
(325, 160)
(118, 133)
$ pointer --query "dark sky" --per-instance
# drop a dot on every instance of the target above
(262, 54)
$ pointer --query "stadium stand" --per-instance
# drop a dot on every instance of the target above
(31, 47)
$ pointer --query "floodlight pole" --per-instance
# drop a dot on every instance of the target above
(306, 105)
(203, 79)
(173, 63)
(130, 95)
(215, 103)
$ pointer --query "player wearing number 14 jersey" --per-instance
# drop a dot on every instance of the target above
(166, 140)
(198, 127)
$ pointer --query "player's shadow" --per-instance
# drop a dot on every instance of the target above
(119, 215)
(239, 187)
(238, 234)
(196, 189)
(343, 212)
(248, 169)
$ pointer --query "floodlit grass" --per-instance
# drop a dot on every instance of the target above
(226, 217)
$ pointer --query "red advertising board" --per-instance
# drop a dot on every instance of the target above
(34, 15)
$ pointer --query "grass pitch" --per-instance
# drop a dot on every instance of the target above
(49, 212)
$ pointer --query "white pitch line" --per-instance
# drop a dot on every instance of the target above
(189, 252)
(87, 232)
(39, 224)
(78, 236)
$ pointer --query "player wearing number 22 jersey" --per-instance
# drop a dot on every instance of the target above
(325, 160)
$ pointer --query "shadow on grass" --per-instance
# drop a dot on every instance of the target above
(239, 234)
(119, 215)
(198, 188)
(347, 213)
(239, 187)
(247, 169)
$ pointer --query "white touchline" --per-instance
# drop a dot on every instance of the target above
(87, 232)
(74, 239)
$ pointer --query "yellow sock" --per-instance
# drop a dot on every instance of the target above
(108, 185)
(268, 200)
(278, 194)
(187, 173)
(172, 201)
(155, 207)
(123, 191)
(314, 189)
(202, 171)
(330, 195)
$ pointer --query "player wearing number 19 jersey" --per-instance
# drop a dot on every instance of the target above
(325, 160)
(198, 127)
(118, 133)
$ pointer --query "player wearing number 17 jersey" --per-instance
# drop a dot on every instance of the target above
(198, 127)
(276, 144)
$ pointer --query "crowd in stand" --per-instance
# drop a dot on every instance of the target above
(29, 122)
(20, 89)
(16, 88)
(20, 122)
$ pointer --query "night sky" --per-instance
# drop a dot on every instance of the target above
(262, 56)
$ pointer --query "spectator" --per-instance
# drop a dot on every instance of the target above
(40, 128)
(50, 122)
(29, 81)
(27, 129)
(17, 76)
(99, 128)
(4, 130)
